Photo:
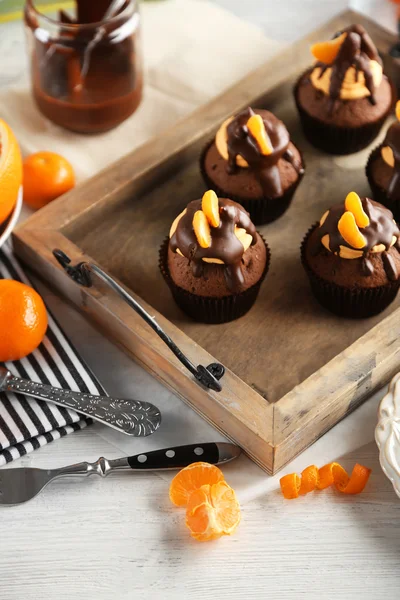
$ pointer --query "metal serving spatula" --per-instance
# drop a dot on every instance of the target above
(21, 485)
(131, 417)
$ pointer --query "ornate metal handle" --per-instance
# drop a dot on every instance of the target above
(128, 416)
(81, 273)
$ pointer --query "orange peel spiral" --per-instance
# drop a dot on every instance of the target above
(312, 478)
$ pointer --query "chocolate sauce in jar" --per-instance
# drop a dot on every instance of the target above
(86, 72)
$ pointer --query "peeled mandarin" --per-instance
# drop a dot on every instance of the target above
(212, 511)
(354, 205)
(202, 229)
(190, 479)
(326, 52)
(349, 231)
(257, 129)
(210, 208)
(398, 110)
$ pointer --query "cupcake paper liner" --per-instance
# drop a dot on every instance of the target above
(334, 139)
(210, 309)
(379, 194)
(262, 210)
(357, 303)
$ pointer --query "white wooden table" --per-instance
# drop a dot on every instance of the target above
(120, 537)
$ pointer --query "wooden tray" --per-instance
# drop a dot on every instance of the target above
(293, 370)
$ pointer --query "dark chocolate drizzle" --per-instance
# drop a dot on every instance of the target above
(380, 230)
(357, 51)
(241, 142)
(392, 140)
(224, 243)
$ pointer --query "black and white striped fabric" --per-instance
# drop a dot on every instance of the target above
(25, 423)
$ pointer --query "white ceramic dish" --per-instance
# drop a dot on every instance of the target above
(387, 433)
(8, 226)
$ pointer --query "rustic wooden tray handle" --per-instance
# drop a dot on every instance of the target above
(82, 274)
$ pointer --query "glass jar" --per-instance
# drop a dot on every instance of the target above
(86, 75)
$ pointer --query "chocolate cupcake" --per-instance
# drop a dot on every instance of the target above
(352, 258)
(252, 161)
(383, 169)
(344, 99)
(214, 261)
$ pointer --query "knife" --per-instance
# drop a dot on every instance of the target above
(23, 484)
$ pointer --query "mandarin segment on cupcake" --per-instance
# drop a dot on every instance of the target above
(253, 161)
(210, 207)
(344, 98)
(383, 168)
(352, 257)
(214, 260)
(326, 52)
(391, 152)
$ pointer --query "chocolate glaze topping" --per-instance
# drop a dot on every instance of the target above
(392, 140)
(380, 230)
(357, 51)
(224, 243)
(241, 142)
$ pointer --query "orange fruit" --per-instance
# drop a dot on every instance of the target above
(191, 478)
(23, 320)
(10, 170)
(46, 177)
(212, 511)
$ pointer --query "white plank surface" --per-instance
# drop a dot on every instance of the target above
(120, 538)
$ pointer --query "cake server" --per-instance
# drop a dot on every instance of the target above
(131, 417)
(23, 484)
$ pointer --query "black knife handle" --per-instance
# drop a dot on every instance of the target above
(176, 458)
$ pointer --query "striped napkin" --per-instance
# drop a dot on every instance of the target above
(25, 423)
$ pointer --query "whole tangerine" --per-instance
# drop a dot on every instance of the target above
(47, 176)
(23, 320)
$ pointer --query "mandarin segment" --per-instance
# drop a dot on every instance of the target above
(398, 110)
(202, 229)
(257, 129)
(354, 205)
(326, 52)
(243, 237)
(192, 478)
(349, 231)
(210, 207)
(388, 156)
(212, 511)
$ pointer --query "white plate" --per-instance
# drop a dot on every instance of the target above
(387, 433)
(12, 219)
